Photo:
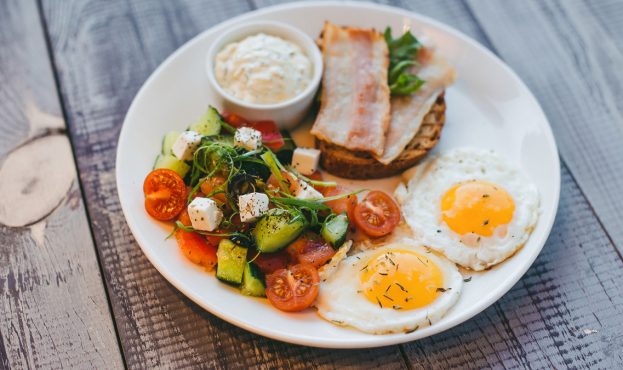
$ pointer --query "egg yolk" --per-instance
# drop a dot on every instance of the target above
(401, 279)
(477, 207)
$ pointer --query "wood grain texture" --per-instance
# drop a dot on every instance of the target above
(103, 53)
(546, 320)
(563, 313)
(53, 307)
(571, 62)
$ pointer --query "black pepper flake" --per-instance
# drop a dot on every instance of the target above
(486, 222)
(485, 195)
(401, 287)
(443, 289)
(397, 307)
(383, 273)
(438, 230)
(467, 280)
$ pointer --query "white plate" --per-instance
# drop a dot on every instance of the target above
(489, 107)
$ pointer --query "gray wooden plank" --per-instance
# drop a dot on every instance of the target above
(103, 53)
(569, 60)
(53, 307)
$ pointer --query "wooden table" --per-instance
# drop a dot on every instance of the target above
(76, 290)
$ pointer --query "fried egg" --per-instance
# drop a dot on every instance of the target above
(397, 287)
(471, 205)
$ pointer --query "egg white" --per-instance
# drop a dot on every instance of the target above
(340, 303)
(431, 179)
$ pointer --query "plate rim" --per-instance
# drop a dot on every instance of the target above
(375, 340)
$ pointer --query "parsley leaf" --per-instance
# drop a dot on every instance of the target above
(402, 53)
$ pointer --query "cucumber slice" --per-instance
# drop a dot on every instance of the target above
(276, 229)
(168, 141)
(209, 124)
(335, 229)
(170, 162)
(231, 260)
(252, 281)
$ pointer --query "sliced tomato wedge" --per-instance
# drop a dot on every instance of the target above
(311, 249)
(293, 289)
(234, 119)
(346, 204)
(271, 136)
(271, 262)
(195, 247)
(290, 180)
(377, 215)
(213, 184)
(165, 194)
(318, 177)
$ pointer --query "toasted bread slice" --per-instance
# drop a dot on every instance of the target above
(361, 165)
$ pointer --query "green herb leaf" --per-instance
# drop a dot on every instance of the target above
(402, 53)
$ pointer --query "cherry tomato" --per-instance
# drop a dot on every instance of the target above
(377, 215)
(346, 204)
(318, 177)
(234, 119)
(213, 184)
(290, 180)
(271, 136)
(294, 288)
(271, 262)
(310, 248)
(165, 194)
(195, 247)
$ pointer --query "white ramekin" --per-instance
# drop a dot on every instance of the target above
(286, 114)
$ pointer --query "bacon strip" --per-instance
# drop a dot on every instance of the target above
(407, 112)
(355, 107)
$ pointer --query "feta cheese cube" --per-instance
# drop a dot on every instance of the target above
(306, 191)
(248, 138)
(205, 215)
(305, 160)
(185, 145)
(252, 206)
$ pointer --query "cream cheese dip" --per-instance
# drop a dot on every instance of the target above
(263, 69)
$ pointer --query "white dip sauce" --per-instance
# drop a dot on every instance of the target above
(263, 69)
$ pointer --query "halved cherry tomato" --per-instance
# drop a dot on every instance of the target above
(311, 249)
(165, 194)
(271, 136)
(346, 204)
(271, 262)
(290, 180)
(195, 247)
(213, 184)
(377, 215)
(294, 288)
